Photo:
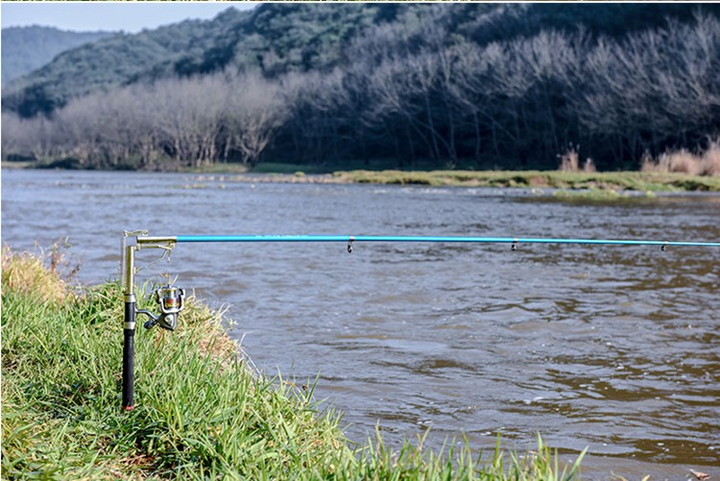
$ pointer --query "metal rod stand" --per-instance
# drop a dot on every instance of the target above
(128, 282)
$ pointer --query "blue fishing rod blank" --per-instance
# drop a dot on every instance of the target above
(446, 239)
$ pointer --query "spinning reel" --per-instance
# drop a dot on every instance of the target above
(171, 300)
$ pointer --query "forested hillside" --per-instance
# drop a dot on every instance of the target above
(419, 85)
(25, 49)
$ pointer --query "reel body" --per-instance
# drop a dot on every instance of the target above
(171, 300)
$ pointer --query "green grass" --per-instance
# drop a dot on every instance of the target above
(202, 412)
(23, 164)
(618, 181)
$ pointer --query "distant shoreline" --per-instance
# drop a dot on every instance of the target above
(605, 182)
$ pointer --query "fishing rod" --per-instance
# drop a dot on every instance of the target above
(171, 299)
(449, 239)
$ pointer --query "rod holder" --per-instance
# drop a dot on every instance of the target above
(171, 301)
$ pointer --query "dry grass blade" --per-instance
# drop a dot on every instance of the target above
(699, 475)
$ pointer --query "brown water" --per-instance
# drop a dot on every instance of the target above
(613, 348)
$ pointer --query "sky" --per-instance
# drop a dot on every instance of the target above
(130, 17)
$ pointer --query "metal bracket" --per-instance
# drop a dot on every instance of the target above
(141, 241)
(135, 233)
(167, 252)
(123, 250)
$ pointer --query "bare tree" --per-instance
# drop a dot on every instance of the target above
(191, 117)
(254, 111)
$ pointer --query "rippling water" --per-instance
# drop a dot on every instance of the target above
(615, 348)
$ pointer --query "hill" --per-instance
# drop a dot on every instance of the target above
(111, 62)
(415, 85)
(278, 38)
(28, 48)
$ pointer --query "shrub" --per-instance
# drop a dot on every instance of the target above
(711, 159)
(685, 162)
(589, 166)
(570, 161)
(680, 162)
(648, 164)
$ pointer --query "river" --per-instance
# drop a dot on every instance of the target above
(615, 348)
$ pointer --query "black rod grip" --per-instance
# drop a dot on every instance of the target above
(128, 370)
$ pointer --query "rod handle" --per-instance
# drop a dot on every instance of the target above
(128, 371)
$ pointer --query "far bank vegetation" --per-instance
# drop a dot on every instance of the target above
(416, 95)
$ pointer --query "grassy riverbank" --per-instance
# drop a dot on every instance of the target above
(594, 182)
(617, 181)
(202, 411)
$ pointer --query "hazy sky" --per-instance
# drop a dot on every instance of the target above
(127, 16)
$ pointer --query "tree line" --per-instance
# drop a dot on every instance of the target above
(416, 94)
